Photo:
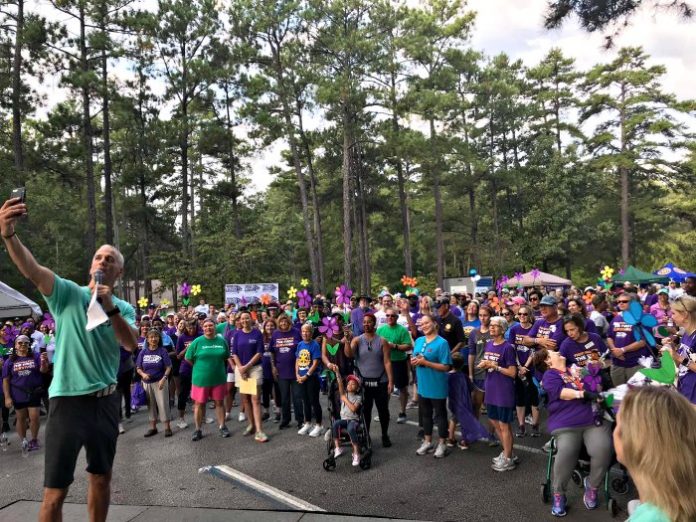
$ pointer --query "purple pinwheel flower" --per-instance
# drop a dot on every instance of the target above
(304, 300)
(343, 294)
(329, 326)
(535, 273)
(592, 379)
(621, 271)
(185, 289)
(504, 279)
(518, 276)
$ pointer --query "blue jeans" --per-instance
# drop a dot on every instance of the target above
(350, 425)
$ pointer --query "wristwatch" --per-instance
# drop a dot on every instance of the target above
(113, 312)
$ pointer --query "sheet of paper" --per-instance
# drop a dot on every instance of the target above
(248, 386)
(95, 314)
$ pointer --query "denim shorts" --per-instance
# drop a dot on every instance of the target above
(500, 413)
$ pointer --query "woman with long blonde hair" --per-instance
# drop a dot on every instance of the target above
(684, 355)
(655, 438)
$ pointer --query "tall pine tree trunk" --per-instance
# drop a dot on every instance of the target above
(625, 189)
(232, 168)
(435, 176)
(91, 238)
(106, 137)
(363, 237)
(347, 200)
(17, 144)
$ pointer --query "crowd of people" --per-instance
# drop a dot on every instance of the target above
(507, 354)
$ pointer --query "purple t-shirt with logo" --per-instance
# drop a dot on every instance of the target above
(24, 374)
(622, 334)
(182, 344)
(687, 378)
(574, 413)
(553, 330)
(283, 345)
(246, 345)
(517, 332)
(500, 389)
(153, 362)
(581, 353)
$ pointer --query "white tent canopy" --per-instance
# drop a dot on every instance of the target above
(14, 304)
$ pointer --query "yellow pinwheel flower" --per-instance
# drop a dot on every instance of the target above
(292, 292)
(195, 289)
(164, 303)
(607, 272)
(304, 282)
(142, 302)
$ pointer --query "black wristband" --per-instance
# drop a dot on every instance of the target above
(12, 234)
(113, 312)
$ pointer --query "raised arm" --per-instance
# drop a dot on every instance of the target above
(20, 255)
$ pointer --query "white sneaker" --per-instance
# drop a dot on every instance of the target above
(338, 452)
(304, 430)
(242, 417)
(356, 459)
(425, 447)
(529, 420)
(209, 420)
(504, 465)
(227, 415)
(440, 451)
(182, 424)
(121, 429)
(327, 435)
(316, 431)
(499, 457)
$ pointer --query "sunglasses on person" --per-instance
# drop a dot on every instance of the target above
(390, 315)
(623, 301)
(522, 313)
(533, 298)
(507, 314)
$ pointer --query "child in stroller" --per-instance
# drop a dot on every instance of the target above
(351, 421)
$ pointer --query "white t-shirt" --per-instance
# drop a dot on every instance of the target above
(202, 309)
(600, 322)
(381, 317)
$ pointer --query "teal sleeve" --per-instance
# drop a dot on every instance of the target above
(64, 291)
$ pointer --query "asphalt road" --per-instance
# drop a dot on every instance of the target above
(165, 472)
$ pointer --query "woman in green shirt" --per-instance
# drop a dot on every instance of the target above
(655, 438)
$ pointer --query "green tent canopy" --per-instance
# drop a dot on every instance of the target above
(633, 275)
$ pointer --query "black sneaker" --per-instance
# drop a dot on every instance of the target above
(535, 431)
(521, 432)
(421, 434)
(283, 425)
(197, 435)
(386, 441)
(276, 418)
(224, 432)
(265, 416)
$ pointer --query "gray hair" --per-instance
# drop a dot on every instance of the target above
(500, 321)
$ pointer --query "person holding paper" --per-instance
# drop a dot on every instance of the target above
(247, 351)
(83, 403)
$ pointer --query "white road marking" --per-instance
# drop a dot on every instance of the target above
(261, 487)
(520, 447)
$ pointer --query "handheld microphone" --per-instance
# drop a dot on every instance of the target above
(98, 276)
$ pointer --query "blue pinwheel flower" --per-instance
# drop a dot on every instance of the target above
(643, 323)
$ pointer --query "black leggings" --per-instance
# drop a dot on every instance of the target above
(290, 391)
(380, 397)
(429, 406)
(123, 384)
(184, 391)
(309, 391)
(269, 387)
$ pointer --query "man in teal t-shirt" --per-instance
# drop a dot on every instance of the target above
(84, 406)
(401, 343)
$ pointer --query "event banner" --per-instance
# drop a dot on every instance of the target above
(248, 293)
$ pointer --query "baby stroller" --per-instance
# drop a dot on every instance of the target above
(582, 469)
(364, 440)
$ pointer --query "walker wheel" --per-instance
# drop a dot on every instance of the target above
(329, 464)
(613, 507)
(577, 478)
(546, 492)
(620, 486)
(366, 462)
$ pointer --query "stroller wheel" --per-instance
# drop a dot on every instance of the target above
(619, 486)
(613, 507)
(546, 492)
(577, 478)
(329, 464)
(366, 462)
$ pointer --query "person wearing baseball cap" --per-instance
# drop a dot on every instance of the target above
(548, 331)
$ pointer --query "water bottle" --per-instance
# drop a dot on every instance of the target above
(25, 448)
(3, 441)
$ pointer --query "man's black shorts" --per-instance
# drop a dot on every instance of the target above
(400, 374)
(74, 422)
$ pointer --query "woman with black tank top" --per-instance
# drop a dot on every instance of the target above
(373, 360)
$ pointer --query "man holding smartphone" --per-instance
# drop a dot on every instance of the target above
(84, 406)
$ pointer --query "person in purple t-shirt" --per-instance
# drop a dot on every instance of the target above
(247, 351)
(22, 384)
(684, 314)
(625, 350)
(571, 422)
(580, 347)
(526, 394)
(577, 306)
(501, 365)
(154, 366)
(185, 370)
(270, 385)
(547, 331)
(283, 346)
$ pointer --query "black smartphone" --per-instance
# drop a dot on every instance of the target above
(20, 193)
(42, 349)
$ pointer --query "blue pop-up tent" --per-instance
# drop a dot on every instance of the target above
(674, 272)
